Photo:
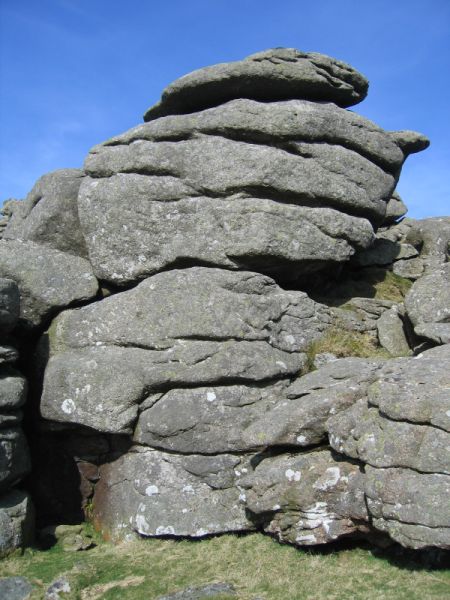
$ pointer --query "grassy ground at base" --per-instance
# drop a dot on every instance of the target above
(256, 565)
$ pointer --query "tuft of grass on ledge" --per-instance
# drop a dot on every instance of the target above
(345, 343)
(257, 565)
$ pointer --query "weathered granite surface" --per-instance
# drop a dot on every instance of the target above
(192, 288)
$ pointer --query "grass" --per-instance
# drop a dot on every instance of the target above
(257, 565)
(345, 343)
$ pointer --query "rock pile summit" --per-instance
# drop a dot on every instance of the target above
(227, 324)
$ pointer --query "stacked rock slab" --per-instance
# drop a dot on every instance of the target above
(252, 165)
(182, 388)
(42, 249)
(16, 512)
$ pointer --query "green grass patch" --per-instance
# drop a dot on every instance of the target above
(345, 343)
(256, 565)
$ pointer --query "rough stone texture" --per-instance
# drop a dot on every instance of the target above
(277, 123)
(411, 269)
(16, 521)
(181, 407)
(404, 436)
(395, 209)
(48, 279)
(9, 305)
(362, 432)
(360, 314)
(61, 585)
(428, 305)
(9, 207)
(275, 74)
(15, 588)
(300, 419)
(307, 499)
(155, 493)
(242, 328)
(207, 420)
(13, 388)
(433, 237)
(49, 214)
(413, 508)
(286, 186)
(72, 538)
(391, 333)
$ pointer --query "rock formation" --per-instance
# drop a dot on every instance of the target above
(216, 324)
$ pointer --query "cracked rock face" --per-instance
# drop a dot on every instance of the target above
(284, 188)
(400, 430)
(49, 214)
(428, 305)
(275, 74)
(187, 386)
(48, 279)
(307, 499)
(108, 357)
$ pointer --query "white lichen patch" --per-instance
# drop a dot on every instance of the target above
(141, 524)
(165, 530)
(210, 396)
(293, 475)
(151, 490)
(188, 489)
(301, 439)
(329, 479)
(306, 539)
(281, 364)
(68, 406)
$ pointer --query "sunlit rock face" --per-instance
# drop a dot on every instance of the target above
(253, 164)
(204, 363)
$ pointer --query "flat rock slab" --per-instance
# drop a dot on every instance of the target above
(15, 588)
(396, 209)
(49, 214)
(207, 420)
(391, 333)
(154, 493)
(241, 328)
(48, 279)
(246, 184)
(275, 74)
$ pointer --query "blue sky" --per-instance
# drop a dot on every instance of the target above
(75, 72)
